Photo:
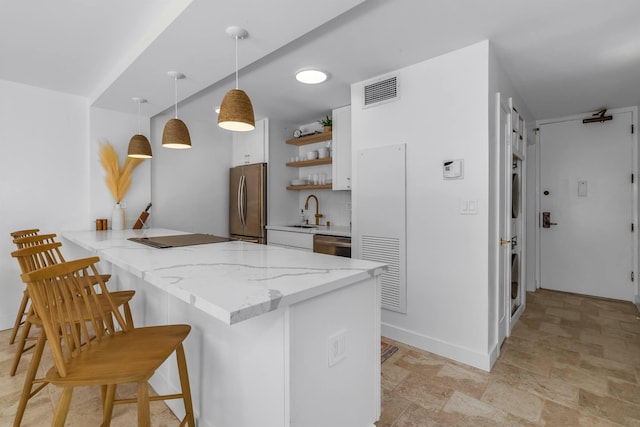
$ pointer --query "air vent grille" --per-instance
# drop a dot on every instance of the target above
(387, 250)
(380, 92)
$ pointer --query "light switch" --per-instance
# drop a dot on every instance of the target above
(469, 207)
(582, 188)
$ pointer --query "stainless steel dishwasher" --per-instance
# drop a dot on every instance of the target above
(332, 245)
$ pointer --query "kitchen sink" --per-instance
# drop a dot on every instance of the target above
(304, 226)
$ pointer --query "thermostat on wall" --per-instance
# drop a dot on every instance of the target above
(452, 169)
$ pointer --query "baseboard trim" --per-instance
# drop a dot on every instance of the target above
(464, 355)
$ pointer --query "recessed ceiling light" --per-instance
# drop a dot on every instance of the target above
(311, 77)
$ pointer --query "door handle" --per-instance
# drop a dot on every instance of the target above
(546, 220)
(504, 242)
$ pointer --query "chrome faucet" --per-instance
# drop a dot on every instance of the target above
(306, 207)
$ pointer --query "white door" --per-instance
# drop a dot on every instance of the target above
(586, 189)
(504, 215)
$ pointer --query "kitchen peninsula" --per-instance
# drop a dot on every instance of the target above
(280, 337)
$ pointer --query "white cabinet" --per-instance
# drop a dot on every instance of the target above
(253, 146)
(341, 148)
(290, 239)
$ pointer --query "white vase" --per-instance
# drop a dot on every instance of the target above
(117, 218)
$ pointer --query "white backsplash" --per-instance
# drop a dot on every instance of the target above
(334, 205)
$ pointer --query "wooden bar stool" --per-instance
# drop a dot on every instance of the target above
(22, 311)
(67, 305)
(31, 259)
(47, 253)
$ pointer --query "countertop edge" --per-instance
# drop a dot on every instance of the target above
(111, 243)
(336, 230)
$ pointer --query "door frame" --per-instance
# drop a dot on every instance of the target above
(634, 191)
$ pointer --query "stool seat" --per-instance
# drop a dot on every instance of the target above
(123, 357)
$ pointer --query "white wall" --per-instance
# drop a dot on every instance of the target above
(117, 129)
(442, 114)
(44, 171)
(190, 189)
(282, 204)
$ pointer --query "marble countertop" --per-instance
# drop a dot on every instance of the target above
(231, 281)
(334, 230)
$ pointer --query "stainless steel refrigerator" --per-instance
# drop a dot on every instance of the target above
(248, 203)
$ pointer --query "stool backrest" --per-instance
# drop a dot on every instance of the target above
(39, 239)
(70, 308)
(38, 256)
(24, 233)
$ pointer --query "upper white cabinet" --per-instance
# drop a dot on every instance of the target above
(341, 148)
(253, 146)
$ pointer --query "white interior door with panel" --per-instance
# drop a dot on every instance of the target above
(516, 175)
(587, 243)
(503, 135)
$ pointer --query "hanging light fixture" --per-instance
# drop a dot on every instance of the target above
(176, 134)
(236, 111)
(139, 145)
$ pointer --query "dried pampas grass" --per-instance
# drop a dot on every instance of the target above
(117, 179)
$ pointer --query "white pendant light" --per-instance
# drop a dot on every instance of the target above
(175, 134)
(139, 145)
(236, 111)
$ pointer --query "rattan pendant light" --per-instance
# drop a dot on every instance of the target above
(236, 111)
(176, 134)
(139, 145)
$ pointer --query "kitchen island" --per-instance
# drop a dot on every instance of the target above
(280, 337)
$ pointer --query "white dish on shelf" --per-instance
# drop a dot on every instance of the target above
(298, 182)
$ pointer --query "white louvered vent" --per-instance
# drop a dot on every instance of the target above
(381, 216)
(387, 250)
(381, 91)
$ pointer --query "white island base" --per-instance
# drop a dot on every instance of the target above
(306, 358)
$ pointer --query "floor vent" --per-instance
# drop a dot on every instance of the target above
(380, 92)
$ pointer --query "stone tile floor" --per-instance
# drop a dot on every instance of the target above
(570, 361)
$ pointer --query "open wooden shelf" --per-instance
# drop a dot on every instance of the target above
(304, 163)
(310, 187)
(311, 139)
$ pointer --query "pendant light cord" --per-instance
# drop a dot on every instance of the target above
(139, 127)
(236, 62)
(176, 95)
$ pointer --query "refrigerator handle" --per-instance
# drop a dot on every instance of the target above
(244, 200)
(239, 200)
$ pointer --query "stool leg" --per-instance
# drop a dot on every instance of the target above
(21, 313)
(186, 388)
(144, 412)
(22, 342)
(29, 380)
(63, 407)
(107, 404)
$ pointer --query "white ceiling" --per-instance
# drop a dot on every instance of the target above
(564, 56)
